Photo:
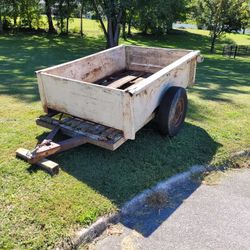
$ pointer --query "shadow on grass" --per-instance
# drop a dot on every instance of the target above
(179, 39)
(138, 164)
(21, 55)
(221, 76)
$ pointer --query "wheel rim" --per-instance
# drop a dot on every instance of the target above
(179, 112)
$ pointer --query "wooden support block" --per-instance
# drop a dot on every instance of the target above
(23, 153)
(49, 166)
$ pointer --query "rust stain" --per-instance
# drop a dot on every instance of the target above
(92, 74)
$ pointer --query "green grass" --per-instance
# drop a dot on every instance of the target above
(36, 210)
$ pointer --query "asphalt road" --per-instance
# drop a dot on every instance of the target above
(215, 215)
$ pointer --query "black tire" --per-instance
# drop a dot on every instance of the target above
(172, 111)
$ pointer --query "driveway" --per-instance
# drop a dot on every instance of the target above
(211, 215)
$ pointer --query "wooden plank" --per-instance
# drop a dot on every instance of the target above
(53, 133)
(121, 81)
(72, 143)
(97, 140)
(137, 80)
(48, 165)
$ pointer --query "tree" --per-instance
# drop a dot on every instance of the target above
(64, 10)
(30, 13)
(70, 6)
(113, 11)
(5, 10)
(81, 3)
(48, 11)
(60, 10)
(245, 16)
(157, 16)
(219, 16)
(15, 6)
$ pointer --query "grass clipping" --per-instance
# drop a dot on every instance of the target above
(157, 199)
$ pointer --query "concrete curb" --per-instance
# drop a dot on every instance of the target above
(162, 186)
(86, 235)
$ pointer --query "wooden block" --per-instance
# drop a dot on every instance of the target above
(23, 153)
(49, 166)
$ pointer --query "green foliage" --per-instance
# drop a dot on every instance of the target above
(88, 217)
(157, 16)
(220, 16)
(30, 13)
(112, 11)
(64, 10)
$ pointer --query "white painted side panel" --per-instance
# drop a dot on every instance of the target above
(84, 100)
(94, 67)
(147, 100)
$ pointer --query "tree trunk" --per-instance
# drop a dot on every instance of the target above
(1, 23)
(81, 21)
(49, 16)
(212, 47)
(30, 24)
(1, 26)
(124, 35)
(67, 25)
(68, 16)
(145, 30)
(112, 32)
(243, 30)
(61, 16)
(129, 26)
(15, 20)
(61, 24)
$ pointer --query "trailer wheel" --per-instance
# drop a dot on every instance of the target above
(172, 111)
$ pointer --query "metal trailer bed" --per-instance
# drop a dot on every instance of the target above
(105, 98)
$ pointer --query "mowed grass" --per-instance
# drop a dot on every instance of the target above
(36, 210)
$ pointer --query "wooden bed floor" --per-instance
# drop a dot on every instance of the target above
(123, 79)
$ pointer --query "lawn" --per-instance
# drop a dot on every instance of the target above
(37, 210)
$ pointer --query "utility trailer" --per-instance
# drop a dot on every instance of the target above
(105, 98)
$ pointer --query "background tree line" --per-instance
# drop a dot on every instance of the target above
(117, 17)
